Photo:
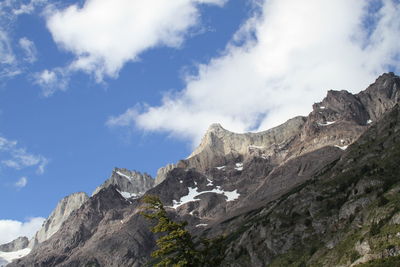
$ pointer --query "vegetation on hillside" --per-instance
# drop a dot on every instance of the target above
(177, 247)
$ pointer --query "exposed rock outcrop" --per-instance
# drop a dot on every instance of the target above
(162, 173)
(336, 121)
(17, 244)
(329, 221)
(219, 146)
(61, 213)
(128, 183)
(105, 231)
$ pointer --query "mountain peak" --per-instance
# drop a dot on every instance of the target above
(215, 127)
(128, 183)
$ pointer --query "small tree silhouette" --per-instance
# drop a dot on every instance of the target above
(178, 247)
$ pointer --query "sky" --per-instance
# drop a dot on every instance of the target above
(89, 85)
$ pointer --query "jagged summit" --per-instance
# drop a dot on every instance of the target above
(215, 127)
(128, 183)
(338, 120)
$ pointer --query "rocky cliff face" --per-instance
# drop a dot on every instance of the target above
(64, 208)
(336, 121)
(162, 173)
(346, 215)
(107, 222)
(320, 190)
(130, 184)
(17, 244)
(14, 250)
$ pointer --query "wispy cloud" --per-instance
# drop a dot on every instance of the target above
(10, 63)
(105, 35)
(22, 182)
(52, 81)
(19, 158)
(29, 49)
(8, 60)
(280, 62)
(11, 229)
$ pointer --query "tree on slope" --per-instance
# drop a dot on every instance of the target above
(177, 247)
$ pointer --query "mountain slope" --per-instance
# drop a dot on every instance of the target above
(346, 215)
(300, 193)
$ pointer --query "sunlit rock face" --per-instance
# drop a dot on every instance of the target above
(131, 184)
(53, 223)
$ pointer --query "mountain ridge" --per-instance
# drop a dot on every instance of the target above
(258, 169)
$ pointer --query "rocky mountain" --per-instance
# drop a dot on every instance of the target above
(17, 244)
(345, 215)
(321, 190)
(13, 250)
(128, 183)
(53, 223)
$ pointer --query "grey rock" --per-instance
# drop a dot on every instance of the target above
(105, 231)
(354, 206)
(219, 145)
(128, 183)
(162, 173)
(59, 215)
(17, 244)
(362, 247)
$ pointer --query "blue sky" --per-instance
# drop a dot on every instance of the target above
(86, 86)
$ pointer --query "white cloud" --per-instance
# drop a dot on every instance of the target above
(52, 80)
(10, 63)
(6, 54)
(11, 229)
(27, 8)
(18, 158)
(126, 119)
(29, 49)
(290, 54)
(9, 9)
(22, 182)
(104, 35)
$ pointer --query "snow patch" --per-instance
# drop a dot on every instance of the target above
(233, 195)
(193, 194)
(369, 121)
(10, 256)
(256, 147)
(322, 107)
(128, 195)
(220, 168)
(210, 183)
(239, 166)
(202, 225)
(342, 147)
(181, 181)
(186, 199)
(326, 123)
(124, 175)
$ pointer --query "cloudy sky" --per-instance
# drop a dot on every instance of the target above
(89, 85)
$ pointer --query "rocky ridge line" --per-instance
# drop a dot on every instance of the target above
(131, 184)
